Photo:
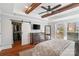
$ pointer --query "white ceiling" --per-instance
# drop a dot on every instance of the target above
(20, 8)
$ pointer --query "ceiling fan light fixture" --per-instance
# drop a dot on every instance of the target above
(50, 10)
(26, 6)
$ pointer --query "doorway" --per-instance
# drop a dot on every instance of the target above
(17, 33)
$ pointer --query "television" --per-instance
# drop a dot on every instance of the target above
(36, 26)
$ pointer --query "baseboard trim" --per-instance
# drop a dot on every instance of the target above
(5, 47)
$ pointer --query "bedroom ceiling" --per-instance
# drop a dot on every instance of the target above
(22, 7)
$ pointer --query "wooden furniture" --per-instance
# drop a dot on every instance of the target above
(36, 38)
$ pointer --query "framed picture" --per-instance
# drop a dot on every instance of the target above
(71, 27)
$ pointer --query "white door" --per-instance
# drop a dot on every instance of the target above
(6, 32)
(26, 27)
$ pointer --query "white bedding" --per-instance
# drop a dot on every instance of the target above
(70, 50)
(53, 48)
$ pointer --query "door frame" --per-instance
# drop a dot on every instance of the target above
(21, 21)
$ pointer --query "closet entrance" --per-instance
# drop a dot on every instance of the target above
(17, 33)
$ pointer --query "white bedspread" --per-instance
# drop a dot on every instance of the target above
(50, 48)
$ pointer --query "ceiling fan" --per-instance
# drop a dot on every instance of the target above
(48, 8)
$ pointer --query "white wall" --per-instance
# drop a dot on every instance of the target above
(6, 27)
(66, 17)
(0, 25)
(6, 7)
(0, 29)
(6, 39)
(6, 33)
(42, 26)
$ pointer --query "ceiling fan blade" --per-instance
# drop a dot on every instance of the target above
(53, 11)
(56, 7)
(44, 7)
(43, 12)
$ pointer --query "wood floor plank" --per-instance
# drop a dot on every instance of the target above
(15, 50)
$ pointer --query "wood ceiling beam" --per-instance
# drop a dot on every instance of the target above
(70, 6)
(32, 7)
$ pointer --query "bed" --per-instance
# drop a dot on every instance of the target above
(52, 48)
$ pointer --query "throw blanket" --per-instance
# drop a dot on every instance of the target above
(50, 48)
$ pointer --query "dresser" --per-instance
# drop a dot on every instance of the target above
(36, 38)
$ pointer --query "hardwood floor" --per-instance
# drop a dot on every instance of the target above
(15, 50)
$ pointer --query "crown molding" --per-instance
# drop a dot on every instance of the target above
(19, 16)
